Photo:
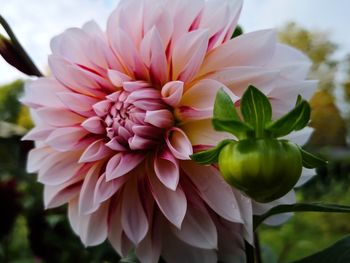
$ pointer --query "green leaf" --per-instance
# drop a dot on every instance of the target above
(310, 160)
(337, 253)
(224, 108)
(211, 155)
(301, 207)
(238, 128)
(299, 100)
(295, 120)
(256, 109)
(238, 31)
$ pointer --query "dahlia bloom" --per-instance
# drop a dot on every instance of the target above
(126, 107)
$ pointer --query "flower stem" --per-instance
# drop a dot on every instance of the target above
(249, 252)
(21, 53)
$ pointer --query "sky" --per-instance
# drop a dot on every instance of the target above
(37, 23)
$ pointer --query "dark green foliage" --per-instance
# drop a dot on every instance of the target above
(9, 105)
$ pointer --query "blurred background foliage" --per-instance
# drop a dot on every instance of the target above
(28, 233)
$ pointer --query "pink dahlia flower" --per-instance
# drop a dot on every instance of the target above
(126, 107)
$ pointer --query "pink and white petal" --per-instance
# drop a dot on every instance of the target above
(183, 15)
(166, 167)
(36, 158)
(93, 228)
(197, 228)
(74, 77)
(97, 45)
(66, 139)
(57, 195)
(122, 19)
(122, 163)
(115, 145)
(153, 54)
(174, 251)
(77, 40)
(306, 175)
(94, 125)
(188, 54)
(102, 108)
(117, 78)
(221, 17)
(186, 113)
(95, 151)
(246, 209)
(293, 63)
(38, 133)
(58, 168)
(172, 92)
(132, 86)
(202, 95)
(104, 189)
(260, 208)
(78, 103)
(231, 242)
(42, 88)
(179, 144)
(160, 118)
(285, 89)
(73, 214)
(142, 94)
(87, 204)
(149, 249)
(140, 143)
(237, 79)
(213, 190)
(173, 204)
(300, 137)
(59, 117)
(202, 133)
(126, 51)
(133, 217)
(252, 49)
(157, 15)
(116, 236)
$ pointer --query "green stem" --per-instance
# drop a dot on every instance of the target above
(21, 52)
(257, 248)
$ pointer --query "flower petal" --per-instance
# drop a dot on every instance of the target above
(198, 229)
(58, 168)
(122, 163)
(96, 151)
(172, 92)
(252, 49)
(214, 190)
(59, 117)
(179, 144)
(65, 139)
(166, 167)
(173, 204)
(36, 158)
(188, 54)
(78, 103)
(153, 54)
(93, 228)
(133, 218)
(43, 88)
(106, 189)
(94, 125)
(160, 118)
(86, 197)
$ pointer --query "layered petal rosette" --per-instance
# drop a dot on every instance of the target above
(126, 107)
